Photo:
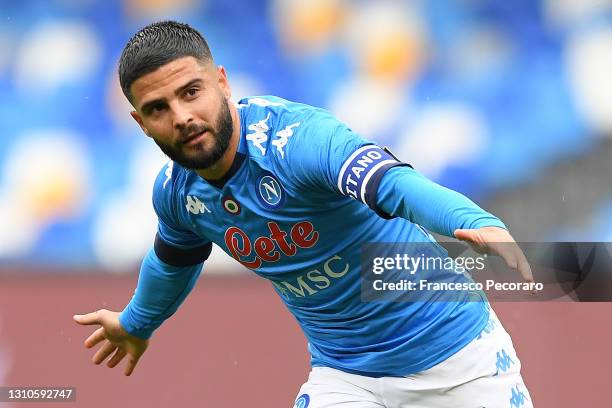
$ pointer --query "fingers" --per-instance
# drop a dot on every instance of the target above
(96, 337)
(508, 255)
(117, 357)
(112, 331)
(499, 241)
(131, 365)
(472, 237)
(103, 352)
(90, 318)
(515, 259)
(465, 234)
(524, 267)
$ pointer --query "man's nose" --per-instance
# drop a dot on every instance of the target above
(182, 116)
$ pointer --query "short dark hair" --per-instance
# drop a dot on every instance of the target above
(156, 45)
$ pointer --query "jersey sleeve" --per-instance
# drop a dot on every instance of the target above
(161, 289)
(170, 269)
(175, 243)
(328, 155)
(404, 192)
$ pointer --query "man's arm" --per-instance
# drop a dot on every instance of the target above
(403, 192)
(161, 289)
(171, 268)
(168, 273)
(327, 155)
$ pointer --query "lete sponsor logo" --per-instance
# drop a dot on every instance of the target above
(268, 248)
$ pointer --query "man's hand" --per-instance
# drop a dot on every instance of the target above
(117, 339)
(497, 241)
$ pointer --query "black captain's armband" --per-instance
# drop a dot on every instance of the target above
(362, 172)
(181, 257)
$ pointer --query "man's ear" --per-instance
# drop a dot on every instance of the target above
(223, 82)
(138, 120)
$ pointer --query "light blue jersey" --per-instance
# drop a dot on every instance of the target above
(301, 198)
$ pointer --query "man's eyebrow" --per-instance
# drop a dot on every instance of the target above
(187, 85)
(147, 106)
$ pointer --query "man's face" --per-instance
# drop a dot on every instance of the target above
(183, 106)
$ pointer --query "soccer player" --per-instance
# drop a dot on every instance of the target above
(292, 193)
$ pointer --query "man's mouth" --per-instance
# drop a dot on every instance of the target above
(194, 138)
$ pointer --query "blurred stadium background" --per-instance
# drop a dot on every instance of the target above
(509, 102)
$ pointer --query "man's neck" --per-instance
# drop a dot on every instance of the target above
(222, 166)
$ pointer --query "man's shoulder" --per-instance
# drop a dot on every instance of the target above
(274, 125)
(168, 183)
(271, 103)
(275, 113)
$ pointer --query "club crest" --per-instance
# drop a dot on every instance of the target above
(270, 192)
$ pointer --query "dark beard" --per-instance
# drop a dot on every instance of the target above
(201, 159)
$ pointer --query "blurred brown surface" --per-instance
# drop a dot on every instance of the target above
(233, 344)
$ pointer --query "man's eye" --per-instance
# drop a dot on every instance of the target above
(192, 91)
(158, 108)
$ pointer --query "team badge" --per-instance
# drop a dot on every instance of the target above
(303, 401)
(270, 191)
(231, 205)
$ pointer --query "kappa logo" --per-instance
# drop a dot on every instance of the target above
(259, 135)
(195, 206)
(518, 397)
(503, 362)
(270, 192)
(283, 138)
(489, 328)
(168, 173)
(303, 401)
